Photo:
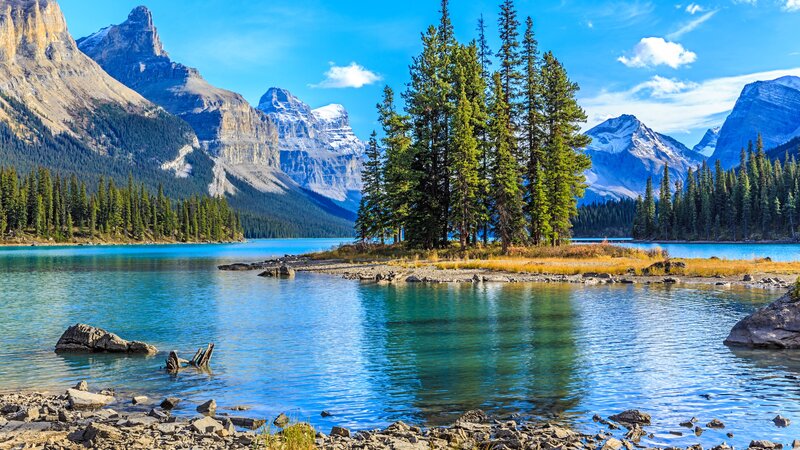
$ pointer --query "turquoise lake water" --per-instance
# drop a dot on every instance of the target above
(375, 354)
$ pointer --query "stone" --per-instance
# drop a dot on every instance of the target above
(340, 432)
(776, 325)
(781, 421)
(206, 425)
(671, 280)
(716, 424)
(612, 444)
(26, 415)
(87, 400)
(765, 445)
(82, 338)
(632, 417)
(140, 399)
(136, 421)
(159, 414)
(281, 421)
(796, 444)
(208, 408)
(170, 403)
(243, 422)
(99, 432)
(326, 414)
(689, 423)
(282, 271)
(635, 434)
(82, 386)
(747, 278)
(413, 279)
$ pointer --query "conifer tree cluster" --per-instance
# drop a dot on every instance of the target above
(759, 200)
(610, 219)
(47, 206)
(477, 154)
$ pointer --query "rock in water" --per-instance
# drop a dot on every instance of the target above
(776, 325)
(85, 338)
(632, 417)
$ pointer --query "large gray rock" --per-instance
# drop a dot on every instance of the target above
(87, 400)
(85, 338)
(776, 325)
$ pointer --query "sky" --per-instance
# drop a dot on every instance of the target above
(678, 66)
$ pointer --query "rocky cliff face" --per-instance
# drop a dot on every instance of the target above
(771, 108)
(241, 138)
(41, 66)
(708, 143)
(318, 147)
(625, 153)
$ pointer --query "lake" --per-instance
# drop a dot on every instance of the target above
(375, 354)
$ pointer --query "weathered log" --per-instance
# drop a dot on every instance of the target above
(201, 360)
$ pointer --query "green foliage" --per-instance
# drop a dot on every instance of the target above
(756, 201)
(610, 219)
(464, 159)
(43, 206)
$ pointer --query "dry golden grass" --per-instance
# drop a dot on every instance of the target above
(567, 260)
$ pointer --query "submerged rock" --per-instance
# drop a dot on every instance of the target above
(82, 338)
(632, 417)
(776, 325)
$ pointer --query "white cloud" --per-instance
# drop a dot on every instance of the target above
(656, 51)
(694, 8)
(352, 76)
(792, 5)
(691, 26)
(673, 106)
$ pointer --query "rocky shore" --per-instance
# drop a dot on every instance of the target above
(384, 273)
(79, 419)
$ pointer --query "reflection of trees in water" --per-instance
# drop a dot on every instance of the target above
(503, 348)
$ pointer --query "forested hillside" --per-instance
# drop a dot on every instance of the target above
(45, 206)
(611, 219)
(759, 200)
(477, 153)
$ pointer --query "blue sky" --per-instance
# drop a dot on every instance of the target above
(678, 66)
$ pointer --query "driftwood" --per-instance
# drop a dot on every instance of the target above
(201, 360)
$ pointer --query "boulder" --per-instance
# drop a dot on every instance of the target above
(776, 325)
(207, 425)
(632, 417)
(208, 408)
(87, 400)
(281, 421)
(170, 403)
(97, 431)
(83, 338)
(283, 271)
(781, 421)
(341, 432)
(140, 399)
(82, 386)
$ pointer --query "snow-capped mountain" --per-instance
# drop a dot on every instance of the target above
(771, 108)
(708, 144)
(625, 153)
(318, 148)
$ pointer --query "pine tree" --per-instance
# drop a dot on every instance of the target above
(565, 163)
(464, 170)
(372, 221)
(397, 169)
(649, 217)
(537, 201)
(665, 206)
(506, 189)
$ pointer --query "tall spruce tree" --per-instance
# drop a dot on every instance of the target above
(565, 162)
(665, 205)
(372, 219)
(397, 169)
(506, 187)
(464, 170)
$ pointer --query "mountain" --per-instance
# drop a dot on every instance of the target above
(59, 109)
(708, 144)
(241, 138)
(625, 152)
(318, 148)
(771, 108)
(241, 141)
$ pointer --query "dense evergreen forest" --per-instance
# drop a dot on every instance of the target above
(759, 200)
(611, 219)
(43, 206)
(124, 137)
(477, 153)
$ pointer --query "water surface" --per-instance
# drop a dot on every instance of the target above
(375, 354)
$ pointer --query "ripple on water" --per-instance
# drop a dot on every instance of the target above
(374, 354)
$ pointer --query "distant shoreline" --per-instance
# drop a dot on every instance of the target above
(47, 244)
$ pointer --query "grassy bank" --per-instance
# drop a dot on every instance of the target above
(566, 260)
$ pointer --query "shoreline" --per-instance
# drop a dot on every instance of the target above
(385, 273)
(71, 421)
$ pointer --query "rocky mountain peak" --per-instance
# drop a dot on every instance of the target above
(768, 108)
(136, 38)
(33, 29)
(282, 102)
(708, 143)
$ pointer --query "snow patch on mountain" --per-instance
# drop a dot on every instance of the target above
(708, 143)
(625, 153)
